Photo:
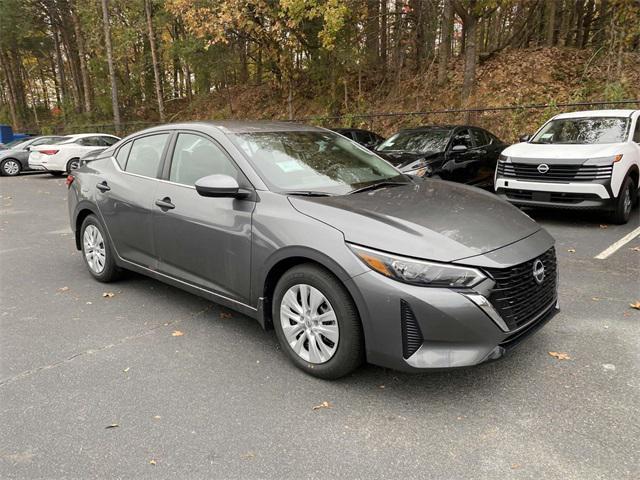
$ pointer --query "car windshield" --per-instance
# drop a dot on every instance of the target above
(585, 130)
(15, 143)
(312, 161)
(417, 141)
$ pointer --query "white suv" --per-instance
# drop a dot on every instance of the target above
(576, 160)
(64, 156)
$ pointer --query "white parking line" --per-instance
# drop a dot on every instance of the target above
(620, 243)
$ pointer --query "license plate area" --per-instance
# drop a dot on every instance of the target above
(541, 197)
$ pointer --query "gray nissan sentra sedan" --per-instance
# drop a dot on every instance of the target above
(347, 258)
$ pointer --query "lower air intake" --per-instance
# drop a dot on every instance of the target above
(411, 334)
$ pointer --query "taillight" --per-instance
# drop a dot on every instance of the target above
(49, 152)
(69, 181)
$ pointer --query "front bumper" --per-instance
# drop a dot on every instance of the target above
(576, 195)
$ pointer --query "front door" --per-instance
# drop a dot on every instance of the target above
(201, 240)
(462, 165)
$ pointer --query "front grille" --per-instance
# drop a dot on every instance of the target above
(556, 173)
(555, 197)
(517, 296)
(411, 334)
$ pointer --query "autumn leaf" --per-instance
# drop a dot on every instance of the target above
(560, 355)
(113, 425)
(225, 315)
(63, 289)
(177, 333)
(572, 250)
(635, 305)
(108, 294)
(635, 249)
(152, 462)
(604, 226)
(324, 404)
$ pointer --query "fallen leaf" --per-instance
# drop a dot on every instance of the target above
(113, 425)
(604, 226)
(225, 315)
(177, 333)
(324, 404)
(108, 294)
(380, 386)
(572, 250)
(560, 355)
(89, 303)
(126, 370)
(152, 462)
(248, 455)
(635, 249)
(515, 466)
(635, 305)
(63, 289)
(157, 417)
(595, 299)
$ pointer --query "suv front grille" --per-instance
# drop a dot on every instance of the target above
(517, 296)
(556, 173)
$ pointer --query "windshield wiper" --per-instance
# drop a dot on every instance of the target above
(374, 186)
(308, 193)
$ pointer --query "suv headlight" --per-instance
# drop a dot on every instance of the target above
(421, 169)
(418, 272)
(503, 158)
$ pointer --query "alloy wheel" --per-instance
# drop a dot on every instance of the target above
(74, 164)
(94, 249)
(627, 203)
(309, 323)
(11, 167)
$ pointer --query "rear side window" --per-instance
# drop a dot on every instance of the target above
(145, 155)
(636, 133)
(108, 141)
(123, 153)
(90, 142)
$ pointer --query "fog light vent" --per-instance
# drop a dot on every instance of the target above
(411, 334)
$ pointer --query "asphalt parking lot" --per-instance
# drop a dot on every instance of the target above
(221, 401)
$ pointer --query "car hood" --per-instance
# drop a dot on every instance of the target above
(430, 219)
(561, 152)
(406, 160)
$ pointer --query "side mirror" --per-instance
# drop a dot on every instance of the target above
(218, 186)
(524, 138)
(28, 149)
(459, 148)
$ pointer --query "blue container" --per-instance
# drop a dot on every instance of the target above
(6, 133)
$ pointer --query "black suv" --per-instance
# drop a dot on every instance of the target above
(463, 154)
(364, 137)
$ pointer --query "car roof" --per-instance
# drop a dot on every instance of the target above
(597, 113)
(84, 135)
(240, 126)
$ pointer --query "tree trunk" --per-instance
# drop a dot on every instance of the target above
(154, 59)
(372, 31)
(470, 23)
(384, 12)
(84, 71)
(10, 90)
(112, 71)
(551, 22)
(445, 43)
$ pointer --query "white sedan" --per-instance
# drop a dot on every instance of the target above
(65, 155)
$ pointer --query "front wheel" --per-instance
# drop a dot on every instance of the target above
(73, 164)
(97, 252)
(317, 323)
(625, 201)
(10, 167)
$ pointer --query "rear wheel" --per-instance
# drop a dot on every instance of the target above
(10, 167)
(317, 322)
(625, 201)
(73, 164)
(96, 251)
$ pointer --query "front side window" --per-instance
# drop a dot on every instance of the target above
(146, 154)
(636, 134)
(481, 139)
(462, 137)
(313, 161)
(195, 157)
(585, 130)
(417, 141)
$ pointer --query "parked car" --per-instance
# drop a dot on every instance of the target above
(464, 154)
(64, 156)
(15, 157)
(296, 226)
(364, 137)
(579, 160)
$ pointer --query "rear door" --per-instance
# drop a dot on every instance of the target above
(462, 165)
(125, 196)
(203, 241)
(487, 153)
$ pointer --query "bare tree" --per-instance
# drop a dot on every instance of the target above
(445, 43)
(154, 58)
(469, 18)
(112, 72)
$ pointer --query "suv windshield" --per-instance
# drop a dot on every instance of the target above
(313, 161)
(585, 130)
(420, 141)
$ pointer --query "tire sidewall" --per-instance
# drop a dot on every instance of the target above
(110, 269)
(619, 215)
(348, 354)
(68, 168)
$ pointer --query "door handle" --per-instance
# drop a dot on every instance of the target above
(103, 187)
(165, 204)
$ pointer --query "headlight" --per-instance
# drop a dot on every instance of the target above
(420, 170)
(503, 158)
(604, 160)
(418, 272)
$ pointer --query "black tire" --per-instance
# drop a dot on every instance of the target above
(8, 167)
(349, 353)
(56, 174)
(625, 202)
(110, 271)
(70, 163)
